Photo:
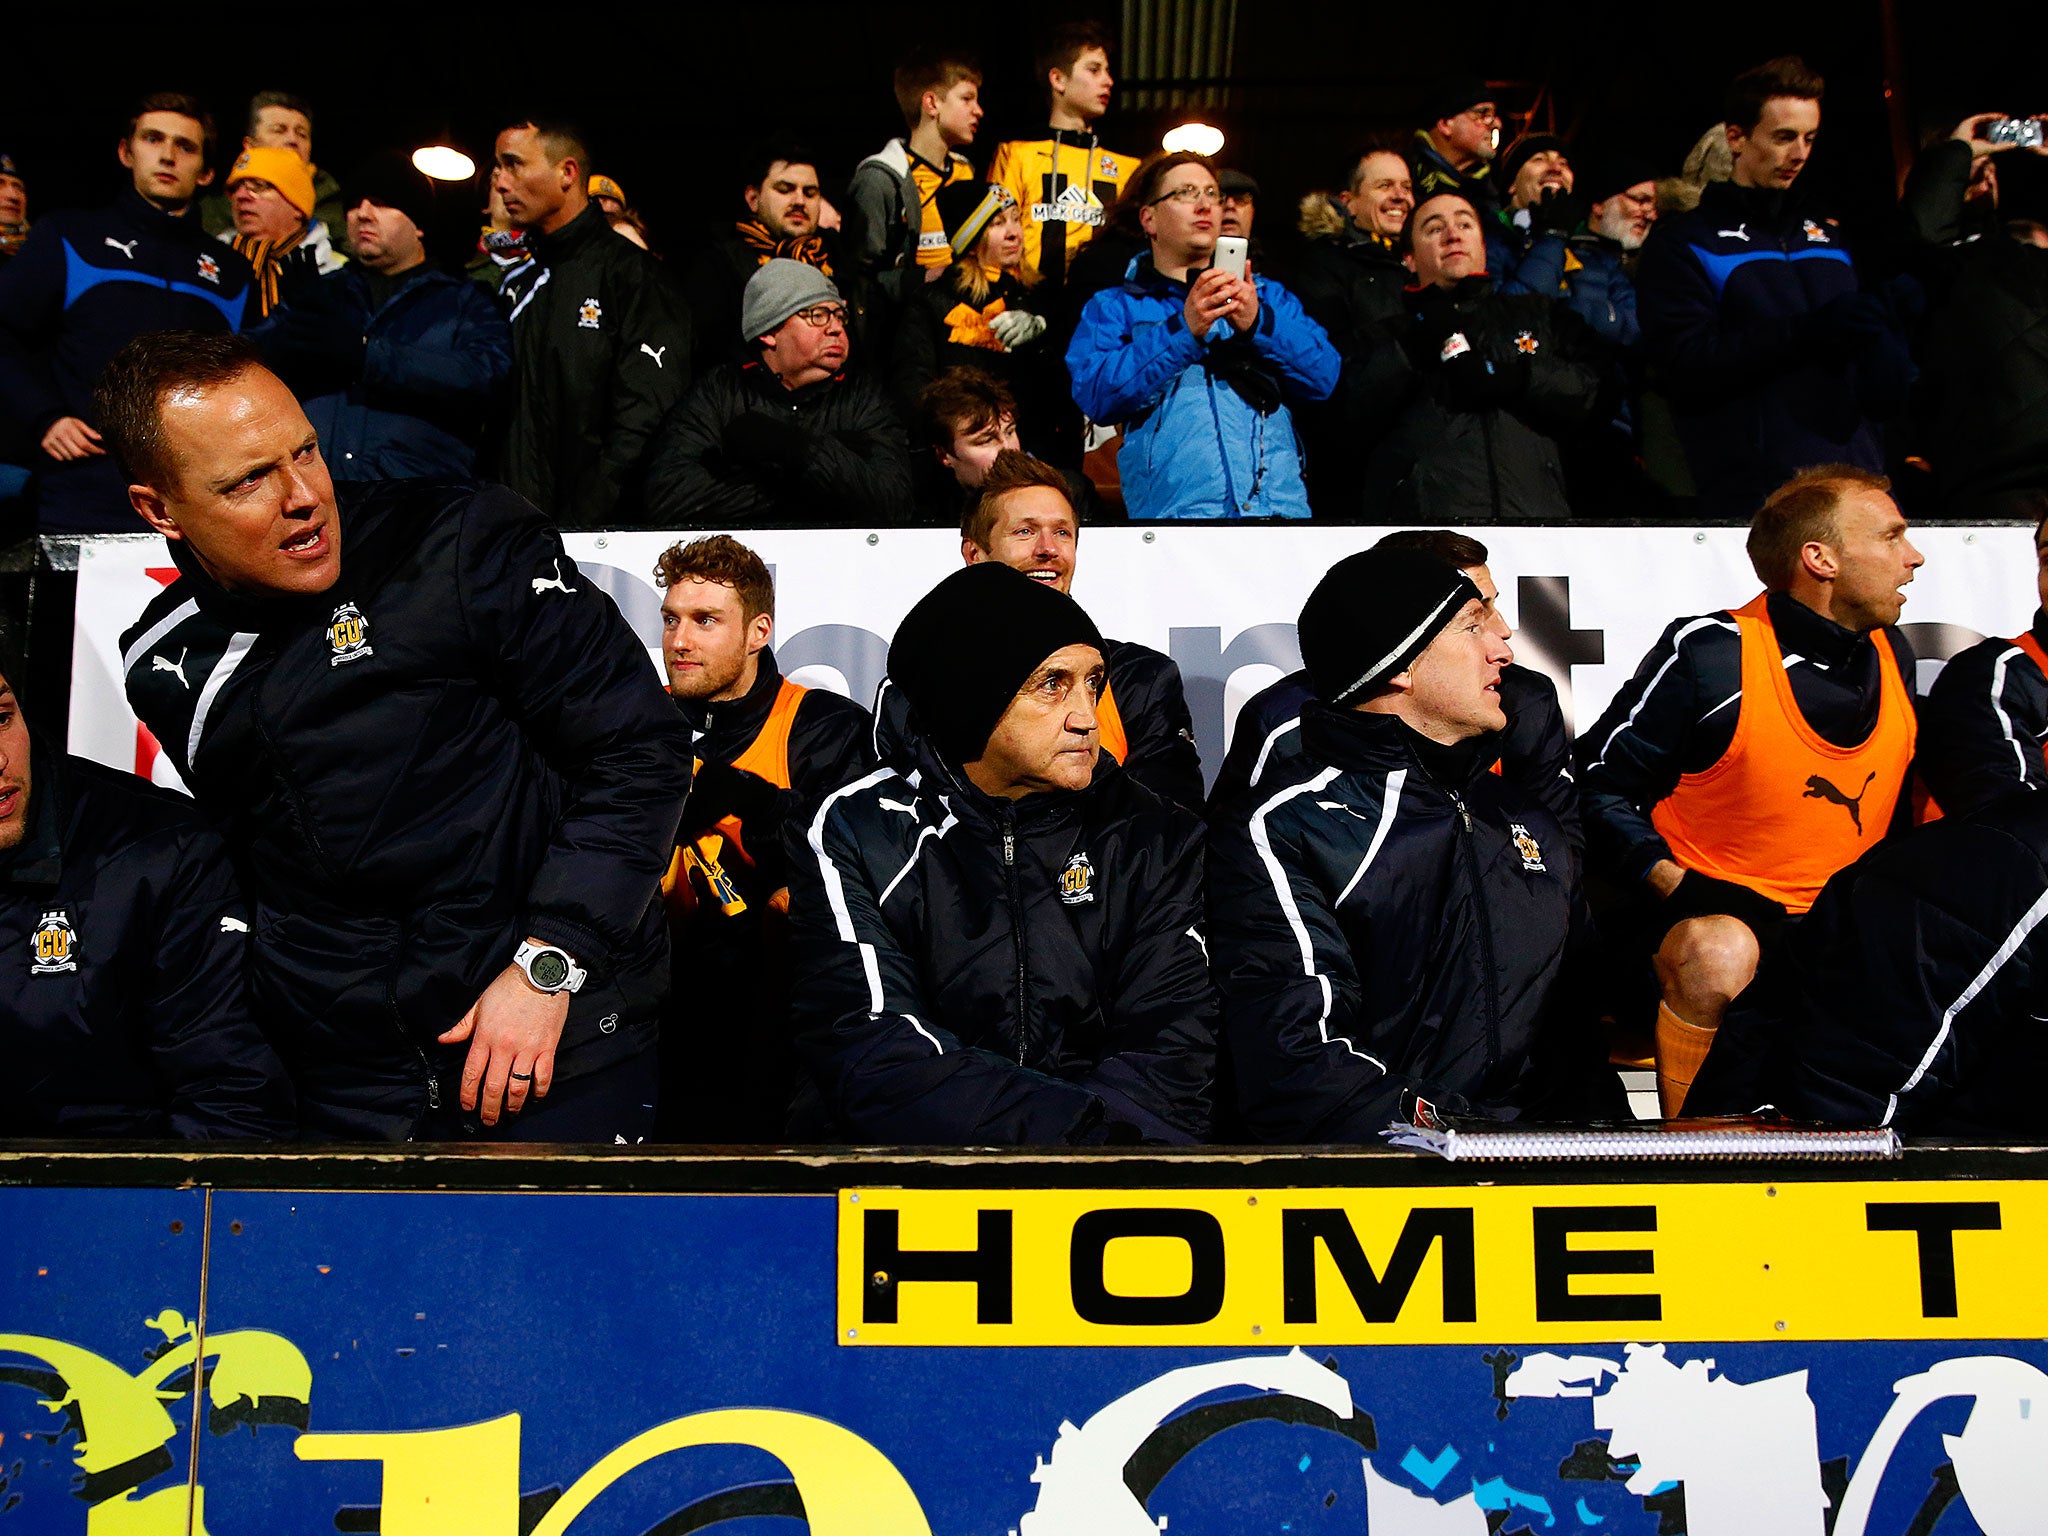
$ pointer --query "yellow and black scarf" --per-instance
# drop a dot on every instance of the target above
(808, 249)
(264, 257)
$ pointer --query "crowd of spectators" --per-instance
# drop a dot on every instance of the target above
(455, 866)
(1465, 329)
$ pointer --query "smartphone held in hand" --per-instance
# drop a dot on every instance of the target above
(1230, 255)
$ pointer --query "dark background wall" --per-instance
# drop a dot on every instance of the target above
(666, 93)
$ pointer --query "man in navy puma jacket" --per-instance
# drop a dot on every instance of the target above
(86, 283)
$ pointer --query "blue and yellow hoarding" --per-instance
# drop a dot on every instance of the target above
(896, 1347)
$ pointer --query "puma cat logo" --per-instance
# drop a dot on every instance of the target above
(1818, 788)
(177, 668)
(559, 584)
(125, 247)
(654, 353)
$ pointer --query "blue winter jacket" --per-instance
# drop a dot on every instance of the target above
(1584, 270)
(1601, 292)
(1193, 445)
(437, 356)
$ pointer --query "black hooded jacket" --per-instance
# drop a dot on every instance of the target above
(1535, 751)
(122, 949)
(1442, 456)
(1983, 725)
(600, 352)
(458, 744)
(1387, 916)
(1352, 284)
(1911, 995)
(728, 1069)
(970, 971)
(832, 452)
(1983, 347)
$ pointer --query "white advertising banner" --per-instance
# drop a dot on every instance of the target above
(1587, 602)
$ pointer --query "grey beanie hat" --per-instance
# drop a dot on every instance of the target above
(779, 290)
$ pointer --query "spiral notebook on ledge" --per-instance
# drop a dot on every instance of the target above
(1731, 1140)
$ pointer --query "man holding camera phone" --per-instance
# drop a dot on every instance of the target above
(1978, 205)
(1198, 362)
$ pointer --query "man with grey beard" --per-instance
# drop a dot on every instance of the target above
(1599, 283)
(1623, 197)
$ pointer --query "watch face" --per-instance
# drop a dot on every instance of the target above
(549, 969)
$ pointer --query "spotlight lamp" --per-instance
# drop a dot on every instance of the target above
(443, 163)
(1201, 138)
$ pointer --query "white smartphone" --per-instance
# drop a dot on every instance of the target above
(1230, 254)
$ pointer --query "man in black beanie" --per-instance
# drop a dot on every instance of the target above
(1388, 918)
(1002, 945)
(1455, 146)
(398, 362)
(1539, 211)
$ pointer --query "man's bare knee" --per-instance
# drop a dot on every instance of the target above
(1707, 959)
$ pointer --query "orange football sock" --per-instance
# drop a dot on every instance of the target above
(1681, 1049)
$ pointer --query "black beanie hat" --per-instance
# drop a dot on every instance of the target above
(1597, 176)
(1372, 614)
(971, 642)
(1454, 96)
(1519, 153)
(390, 181)
(966, 209)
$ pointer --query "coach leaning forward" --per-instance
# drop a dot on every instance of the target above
(447, 770)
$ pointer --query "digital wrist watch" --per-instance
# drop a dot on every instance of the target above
(549, 969)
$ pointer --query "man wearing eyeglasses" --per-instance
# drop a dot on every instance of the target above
(1197, 364)
(1454, 152)
(787, 435)
(1598, 268)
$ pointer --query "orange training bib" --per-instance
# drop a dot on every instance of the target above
(1784, 808)
(1109, 725)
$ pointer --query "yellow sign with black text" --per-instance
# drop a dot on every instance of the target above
(1561, 1264)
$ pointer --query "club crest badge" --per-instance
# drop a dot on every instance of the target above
(53, 947)
(590, 315)
(209, 269)
(348, 636)
(1107, 168)
(1525, 341)
(1077, 881)
(1527, 846)
(1814, 233)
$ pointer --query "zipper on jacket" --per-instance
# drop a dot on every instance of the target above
(398, 1022)
(426, 1066)
(1471, 848)
(1016, 929)
(1222, 444)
